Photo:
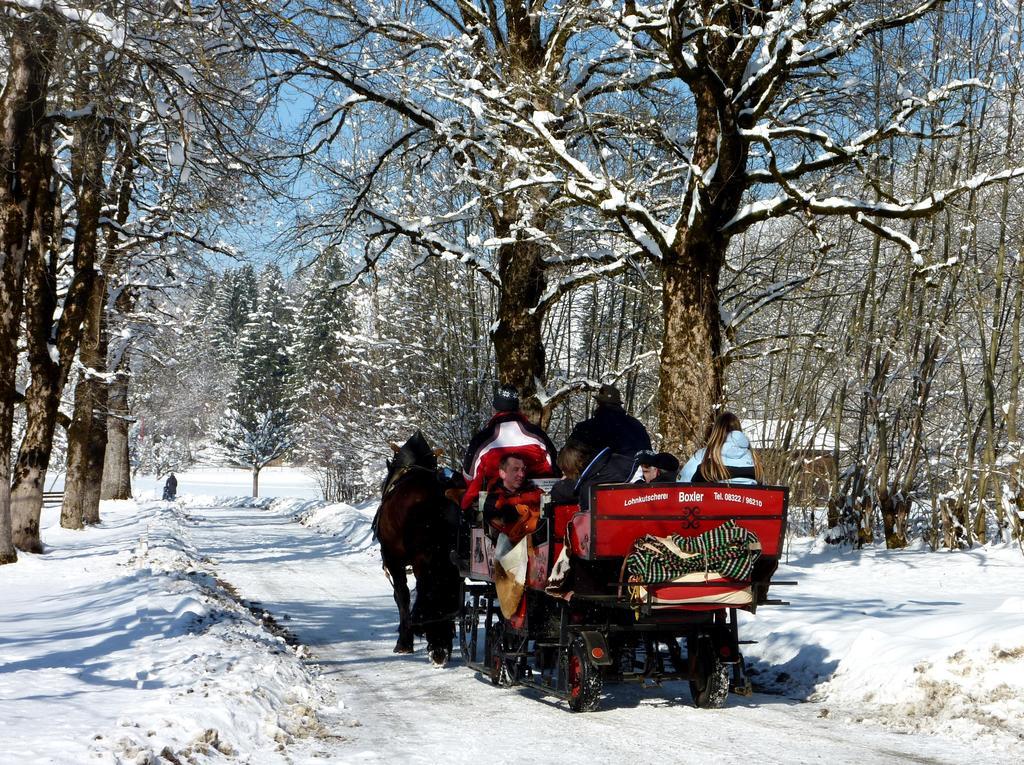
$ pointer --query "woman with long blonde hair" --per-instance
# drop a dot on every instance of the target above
(727, 458)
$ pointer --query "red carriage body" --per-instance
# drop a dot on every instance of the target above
(600, 622)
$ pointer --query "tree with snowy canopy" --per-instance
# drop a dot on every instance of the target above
(118, 124)
(435, 166)
(322, 381)
(767, 125)
(682, 124)
(256, 429)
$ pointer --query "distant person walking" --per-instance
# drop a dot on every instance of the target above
(170, 488)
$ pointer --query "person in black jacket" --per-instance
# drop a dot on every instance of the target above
(610, 427)
(572, 461)
(170, 488)
(605, 467)
(656, 467)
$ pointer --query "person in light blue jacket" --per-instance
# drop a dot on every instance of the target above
(728, 457)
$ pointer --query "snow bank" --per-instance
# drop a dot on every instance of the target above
(350, 522)
(914, 640)
(120, 645)
(122, 639)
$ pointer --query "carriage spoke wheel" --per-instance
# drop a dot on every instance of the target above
(709, 685)
(582, 679)
(469, 622)
(500, 670)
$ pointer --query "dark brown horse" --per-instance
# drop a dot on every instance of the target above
(416, 526)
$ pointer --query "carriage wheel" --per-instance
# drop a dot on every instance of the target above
(500, 671)
(469, 622)
(710, 684)
(583, 680)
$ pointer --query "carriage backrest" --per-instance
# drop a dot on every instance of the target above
(621, 513)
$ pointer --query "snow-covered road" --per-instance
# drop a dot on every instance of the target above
(330, 591)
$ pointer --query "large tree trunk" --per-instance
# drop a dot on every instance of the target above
(691, 371)
(691, 365)
(255, 482)
(117, 481)
(895, 513)
(518, 343)
(22, 109)
(42, 398)
(32, 464)
(49, 374)
(87, 436)
(117, 475)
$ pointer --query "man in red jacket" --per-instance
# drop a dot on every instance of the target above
(512, 506)
(507, 432)
(512, 509)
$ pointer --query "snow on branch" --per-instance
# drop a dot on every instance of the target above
(317, 65)
(371, 174)
(745, 351)
(838, 153)
(588, 187)
(567, 284)
(887, 232)
(845, 37)
(134, 237)
(794, 199)
(96, 23)
(565, 388)
(420, 233)
(771, 294)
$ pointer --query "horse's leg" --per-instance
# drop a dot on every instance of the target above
(401, 590)
(440, 635)
(438, 586)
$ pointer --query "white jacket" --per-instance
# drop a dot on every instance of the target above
(735, 453)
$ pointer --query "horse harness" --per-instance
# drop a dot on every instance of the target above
(392, 484)
(402, 473)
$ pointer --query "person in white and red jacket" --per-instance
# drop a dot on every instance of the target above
(508, 431)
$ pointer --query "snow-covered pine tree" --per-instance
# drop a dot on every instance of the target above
(323, 384)
(256, 428)
(180, 356)
(234, 305)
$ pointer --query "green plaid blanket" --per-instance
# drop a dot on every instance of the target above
(729, 550)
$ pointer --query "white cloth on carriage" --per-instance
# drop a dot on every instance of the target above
(510, 566)
(722, 591)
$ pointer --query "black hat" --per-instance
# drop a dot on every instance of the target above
(647, 457)
(609, 395)
(666, 463)
(506, 399)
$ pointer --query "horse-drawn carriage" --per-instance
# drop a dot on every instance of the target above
(591, 607)
(569, 634)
